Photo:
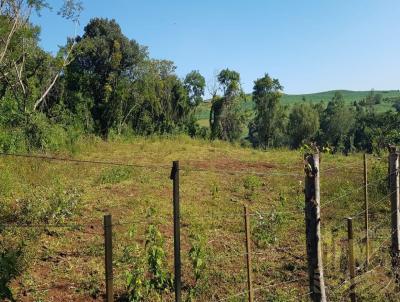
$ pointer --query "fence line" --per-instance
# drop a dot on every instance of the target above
(167, 167)
(374, 183)
(178, 217)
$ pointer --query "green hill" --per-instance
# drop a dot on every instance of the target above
(289, 99)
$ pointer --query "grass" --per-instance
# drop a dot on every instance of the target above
(67, 263)
(289, 99)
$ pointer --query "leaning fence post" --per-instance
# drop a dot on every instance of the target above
(313, 228)
(108, 257)
(351, 259)
(177, 232)
(395, 214)
(248, 254)
(366, 212)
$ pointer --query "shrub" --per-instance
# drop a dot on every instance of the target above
(12, 140)
(197, 255)
(10, 267)
(161, 279)
(115, 175)
(266, 226)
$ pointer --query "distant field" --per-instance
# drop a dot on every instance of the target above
(290, 99)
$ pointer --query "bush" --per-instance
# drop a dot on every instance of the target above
(10, 267)
(12, 140)
(43, 135)
(266, 227)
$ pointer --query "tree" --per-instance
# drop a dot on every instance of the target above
(105, 63)
(227, 118)
(336, 123)
(303, 124)
(195, 84)
(27, 73)
(268, 126)
(396, 105)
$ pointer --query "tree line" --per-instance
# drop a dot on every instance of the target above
(335, 125)
(104, 83)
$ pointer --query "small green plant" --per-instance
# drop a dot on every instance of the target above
(266, 227)
(63, 204)
(251, 183)
(115, 175)
(197, 256)
(161, 279)
(136, 283)
(10, 267)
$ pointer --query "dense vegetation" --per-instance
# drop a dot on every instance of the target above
(100, 83)
(104, 83)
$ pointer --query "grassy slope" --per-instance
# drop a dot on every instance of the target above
(290, 99)
(70, 260)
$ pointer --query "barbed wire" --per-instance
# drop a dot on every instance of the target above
(83, 161)
(374, 183)
(147, 166)
(373, 204)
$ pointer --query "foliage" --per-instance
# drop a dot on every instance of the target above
(136, 283)
(268, 127)
(303, 124)
(161, 280)
(266, 227)
(226, 116)
(10, 267)
(195, 84)
(197, 256)
(336, 123)
(251, 183)
(115, 175)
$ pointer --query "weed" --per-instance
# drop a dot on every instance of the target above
(161, 279)
(266, 227)
(10, 267)
(136, 283)
(197, 256)
(251, 183)
(91, 285)
(115, 175)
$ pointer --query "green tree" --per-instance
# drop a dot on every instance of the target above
(336, 122)
(162, 102)
(195, 84)
(303, 124)
(227, 117)
(105, 63)
(27, 73)
(268, 126)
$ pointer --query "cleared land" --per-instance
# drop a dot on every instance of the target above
(66, 264)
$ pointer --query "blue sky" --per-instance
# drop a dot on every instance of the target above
(309, 45)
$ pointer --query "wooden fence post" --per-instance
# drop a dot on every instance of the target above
(395, 214)
(108, 257)
(351, 259)
(313, 228)
(177, 231)
(366, 212)
(248, 254)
